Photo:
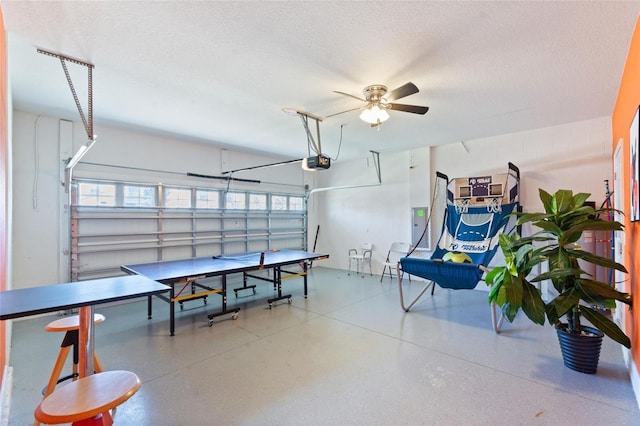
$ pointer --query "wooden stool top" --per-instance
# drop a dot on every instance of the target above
(87, 397)
(70, 323)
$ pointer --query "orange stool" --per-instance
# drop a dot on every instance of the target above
(87, 401)
(70, 325)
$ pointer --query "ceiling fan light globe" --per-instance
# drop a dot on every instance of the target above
(374, 115)
(383, 116)
(367, 116)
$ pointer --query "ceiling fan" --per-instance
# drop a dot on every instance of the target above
(379, 101)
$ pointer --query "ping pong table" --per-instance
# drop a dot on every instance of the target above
(182, 276)
(83, 295)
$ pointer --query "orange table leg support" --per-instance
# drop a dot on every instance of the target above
(84, 338)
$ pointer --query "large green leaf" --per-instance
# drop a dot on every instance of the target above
(501, 296)
(579, 200)
(564, 200)
(556, 274)
(510, 311)
(494, 292)
(605, 325)
(539, 236)
(496, 278)
(532, 304)
(580, 213)
(589, 225)
(550, 227)
(552, 315)
(597, 260)
(513, 291)
(547, 200)
(609, 211)
(562, 260)
(506, 240)
(565, 302)
(523, 257)
(603, 290)
(533, 218)
(495, 275)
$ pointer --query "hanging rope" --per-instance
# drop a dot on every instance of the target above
(433, 202)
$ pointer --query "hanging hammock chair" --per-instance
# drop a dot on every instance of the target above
(477, 210)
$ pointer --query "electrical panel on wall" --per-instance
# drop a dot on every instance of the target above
(419, 223)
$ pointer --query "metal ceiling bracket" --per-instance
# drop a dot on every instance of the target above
(87, 121)
(311, 143)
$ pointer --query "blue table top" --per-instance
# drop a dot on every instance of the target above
(37, 300)
(171, 270)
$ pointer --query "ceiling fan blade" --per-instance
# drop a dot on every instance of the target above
(342, 112)
(401, 92)
(351, 96)
(409, 108)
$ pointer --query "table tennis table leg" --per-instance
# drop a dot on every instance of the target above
(304, 269)
(244, 285)
(149, 308)
(277, 272)
(172, 313)
(224, 311)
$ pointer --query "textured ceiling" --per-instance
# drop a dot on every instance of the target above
(221, 72)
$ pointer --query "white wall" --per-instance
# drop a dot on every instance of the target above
(134, 154)
(379, 214)
(574, 156)
(36, 208)
(40, 213)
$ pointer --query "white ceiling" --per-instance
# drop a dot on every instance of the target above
(221, 72)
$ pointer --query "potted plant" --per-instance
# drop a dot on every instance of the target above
(565, 218)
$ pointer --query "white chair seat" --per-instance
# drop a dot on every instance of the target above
(361, 256)
(397, 251)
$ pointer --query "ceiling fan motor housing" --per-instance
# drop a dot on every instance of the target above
(375, 92)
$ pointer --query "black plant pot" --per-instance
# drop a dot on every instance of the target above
(581, 352)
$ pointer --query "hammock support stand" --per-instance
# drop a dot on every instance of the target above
(478, 210)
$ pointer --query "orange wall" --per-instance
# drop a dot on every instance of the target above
(3, 185)
(624, 111)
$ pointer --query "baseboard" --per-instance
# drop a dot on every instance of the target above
(632, 368)
(5, 395)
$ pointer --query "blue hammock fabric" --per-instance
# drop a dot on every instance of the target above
(445, 274)
(473, 232)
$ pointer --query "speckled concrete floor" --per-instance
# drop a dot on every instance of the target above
(346, 355)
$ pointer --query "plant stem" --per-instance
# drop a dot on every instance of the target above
(573, 321)
(570, 325)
